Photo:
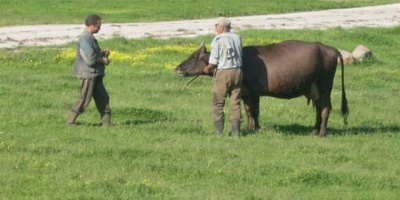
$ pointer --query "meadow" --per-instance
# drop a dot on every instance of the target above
(28, 12)
(162, 145)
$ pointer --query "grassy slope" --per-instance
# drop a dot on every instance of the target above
(162, 147)
(17, 12)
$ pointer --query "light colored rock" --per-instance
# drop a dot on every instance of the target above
(361, 52)
(347, 57)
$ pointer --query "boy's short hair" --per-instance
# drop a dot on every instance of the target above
(92, 19)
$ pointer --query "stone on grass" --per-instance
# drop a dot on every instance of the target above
(361, 53)
(347, 57)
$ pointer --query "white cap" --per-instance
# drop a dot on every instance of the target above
(222, 21)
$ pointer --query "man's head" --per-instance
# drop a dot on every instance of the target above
(93, 23)
(223, 25)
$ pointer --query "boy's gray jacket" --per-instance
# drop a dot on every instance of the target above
(87, 53)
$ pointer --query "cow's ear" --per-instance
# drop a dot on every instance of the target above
(203, 47)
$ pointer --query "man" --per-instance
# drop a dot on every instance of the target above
(89, 68)
(226, 56)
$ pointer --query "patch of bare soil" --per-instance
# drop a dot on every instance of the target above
(42, 35)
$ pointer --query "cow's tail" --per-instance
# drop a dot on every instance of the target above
(345, 108)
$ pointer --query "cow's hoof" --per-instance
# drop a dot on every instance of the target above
(315, 132)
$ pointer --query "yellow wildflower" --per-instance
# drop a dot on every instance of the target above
(259, 41)
(139, 56)
(119, 56)
(66, 54)
(171, 65)
(172, 48)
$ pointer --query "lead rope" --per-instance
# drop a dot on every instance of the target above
(190, 82)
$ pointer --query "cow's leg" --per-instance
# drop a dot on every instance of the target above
(252, 107)
(247, 107)
(326, 108)
(255, 111)
(317, 125)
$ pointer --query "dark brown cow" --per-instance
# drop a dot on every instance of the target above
(284, 70)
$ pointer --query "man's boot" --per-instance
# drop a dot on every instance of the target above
(106, 120)
(71, 117)
(235, 129)
(219, 127)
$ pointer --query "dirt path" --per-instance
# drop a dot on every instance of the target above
(375, 16)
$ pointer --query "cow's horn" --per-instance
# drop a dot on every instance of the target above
(203, 44)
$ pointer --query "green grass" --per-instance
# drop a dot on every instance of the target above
(28, 12)
(162, 146)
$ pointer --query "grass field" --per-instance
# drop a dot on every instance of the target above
(28, 12)
(162, 146)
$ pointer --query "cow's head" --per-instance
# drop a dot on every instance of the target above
(195, 64)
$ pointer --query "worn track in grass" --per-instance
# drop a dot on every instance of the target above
(42, 35)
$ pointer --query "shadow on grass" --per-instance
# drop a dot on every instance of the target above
(87, 124)
(136, 116)
(245, 132)
(296, 129)
(364, 130)
(293, 129)
(142, 116)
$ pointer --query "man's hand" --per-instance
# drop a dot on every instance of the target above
(105, 53)
(106, 61)
(208, 68)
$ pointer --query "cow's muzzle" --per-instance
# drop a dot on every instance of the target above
(179, 71)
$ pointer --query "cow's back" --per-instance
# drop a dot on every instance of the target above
(284, 70)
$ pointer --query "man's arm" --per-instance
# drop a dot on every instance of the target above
(208, 68)
(86, 51)
(88, 54)
(213, 60)
(103, 60)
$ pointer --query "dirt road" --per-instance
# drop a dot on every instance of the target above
(375, 16)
